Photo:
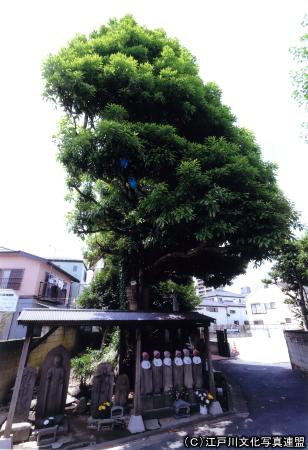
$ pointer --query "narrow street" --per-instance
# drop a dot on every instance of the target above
(277, 399)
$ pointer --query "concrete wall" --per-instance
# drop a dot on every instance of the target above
(297, 342)
(10, 353)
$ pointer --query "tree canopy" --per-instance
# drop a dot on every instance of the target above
(160, 174)
(300, 76)
(291, 271)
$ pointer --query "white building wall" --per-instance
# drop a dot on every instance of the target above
(224, 316)
(264, 296)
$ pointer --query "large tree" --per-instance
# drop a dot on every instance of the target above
(160, 175)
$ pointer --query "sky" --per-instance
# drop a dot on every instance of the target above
(241, 45)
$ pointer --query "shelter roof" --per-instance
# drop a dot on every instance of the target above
(76, 317)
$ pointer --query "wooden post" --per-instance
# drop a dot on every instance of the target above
(137, 374)
(208, 353)
(22, 363)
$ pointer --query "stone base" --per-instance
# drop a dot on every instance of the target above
(6, 443)
(152, 424)
(135, 424)
(215, 408)
(20, 431)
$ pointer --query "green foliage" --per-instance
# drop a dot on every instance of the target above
(160, 175)
(185, 294)
(85, 365)
(291, 272)
(300, 77)
(104, 290)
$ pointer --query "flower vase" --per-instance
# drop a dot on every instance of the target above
(203, 409)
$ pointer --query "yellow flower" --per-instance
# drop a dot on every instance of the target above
(107, 403)
(100, 408)
(210, 397)
(103, 407)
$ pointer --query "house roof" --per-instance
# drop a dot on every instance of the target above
(39, 258)
(73, 317)
(222, 293)
(72, 260)
(223, 304)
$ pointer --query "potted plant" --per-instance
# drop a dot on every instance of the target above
(204, 399)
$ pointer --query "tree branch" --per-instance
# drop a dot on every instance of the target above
(183, 255)
(86, 196)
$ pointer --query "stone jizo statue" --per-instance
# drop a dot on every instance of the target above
(167, 372)
(121, 390)
(102, 387)
(157, 369)
(197, 369)
(188, 378)
(146, 375)
(54, 383)
(178, 370)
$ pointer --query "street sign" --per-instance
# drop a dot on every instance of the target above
(8, 300)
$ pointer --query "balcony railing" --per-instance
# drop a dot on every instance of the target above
(10, 283)
(52, 293)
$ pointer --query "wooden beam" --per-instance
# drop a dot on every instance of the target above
(22, 363)
(212, 387)
(137, 374)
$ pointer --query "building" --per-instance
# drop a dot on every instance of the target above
(227, 308)
(78, 269)
(37, 281)
(266, 307)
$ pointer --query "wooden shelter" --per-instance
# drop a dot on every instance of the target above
(136, 320)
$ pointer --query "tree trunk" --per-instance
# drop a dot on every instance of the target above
(104, 337)
(122, 350)
(303, 308)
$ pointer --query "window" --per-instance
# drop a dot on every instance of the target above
(236, 322)
(219, 299)
(246, 322)
(75, 268)
(85, 277)
(11, 278)
(258, 322)
(258, 308)
(232, 311)
(271, 305)
(212, 308)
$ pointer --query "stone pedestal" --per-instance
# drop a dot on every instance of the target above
(6, 443)
(20, 431)
(215, 408)
(136, 424)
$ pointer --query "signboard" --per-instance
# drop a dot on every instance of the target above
(8, 300)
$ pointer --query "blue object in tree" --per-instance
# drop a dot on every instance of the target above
(124, 163)
(132, 182)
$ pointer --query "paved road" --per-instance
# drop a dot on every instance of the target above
(277, 399)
